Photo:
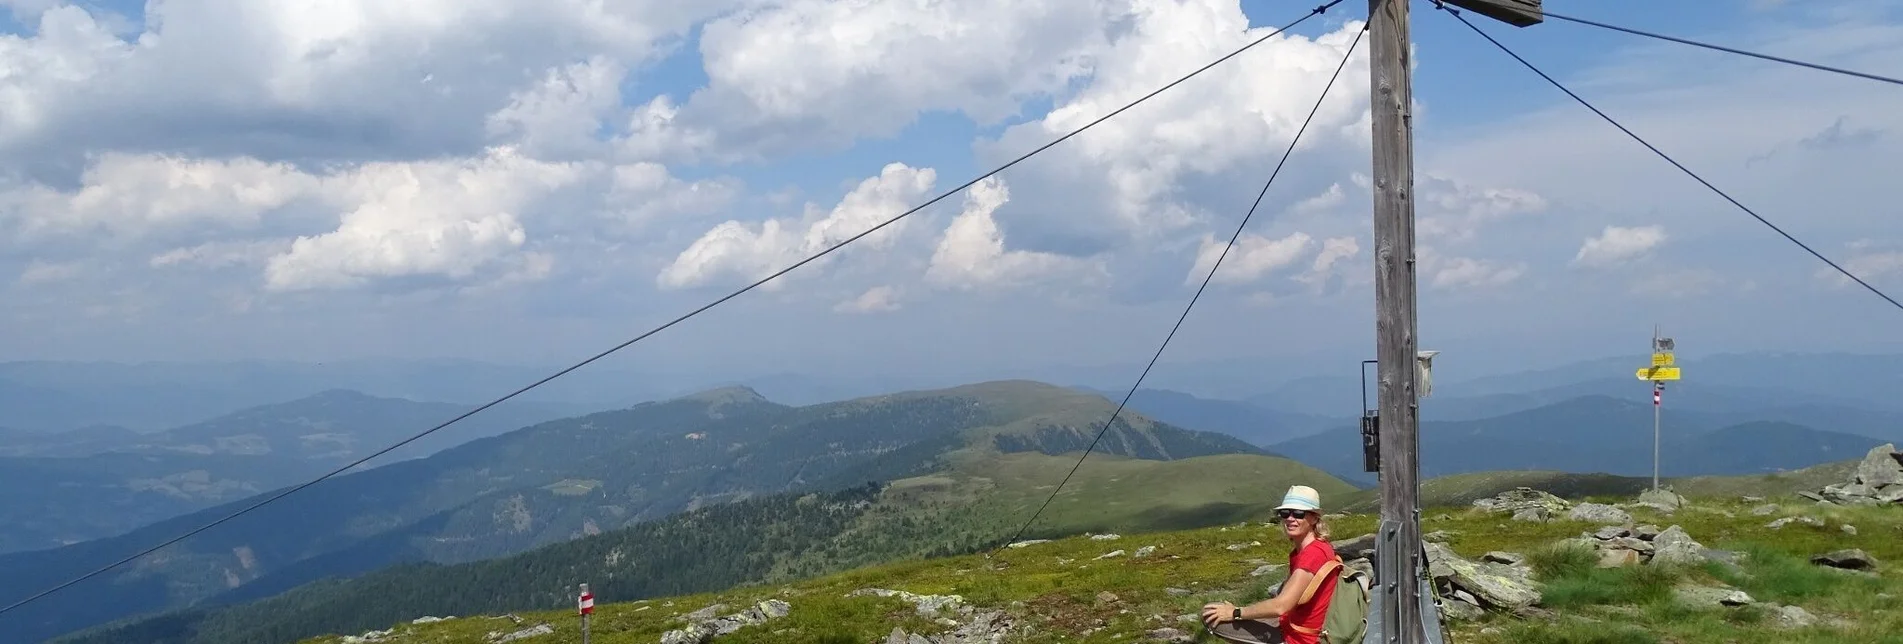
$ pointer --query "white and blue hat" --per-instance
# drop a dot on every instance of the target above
(1301, 497)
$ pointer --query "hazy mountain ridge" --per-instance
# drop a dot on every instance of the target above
(71, 486)
(1595, 434)
(567, 478)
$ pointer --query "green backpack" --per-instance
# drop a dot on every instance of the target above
(1347, 619)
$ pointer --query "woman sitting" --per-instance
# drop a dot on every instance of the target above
(1286, 618)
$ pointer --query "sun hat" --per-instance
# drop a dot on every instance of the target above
(1301, 497)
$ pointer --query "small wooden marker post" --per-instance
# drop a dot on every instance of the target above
(586, 604)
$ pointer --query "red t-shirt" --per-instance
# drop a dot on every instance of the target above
(1312, 614)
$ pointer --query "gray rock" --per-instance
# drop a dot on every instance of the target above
(1266, 569)
(1508, 558)
(1850, 559)
(1358, 547)
(1172, 635)
(1599, 513)
(1791, 617)
(1849, 529)
(1493, 585)
(1753, 499)
(704, 614)
(1520, 499)
(1662, 499)
(1177, 592)
(1881, 466)
(1765, 510)
(537, 630)
(1022, 544)
(1647, 532)
(1707, 596)
(1673, 546)
(1532, 514)
(1611, 532)
(1144, 551)
(1111, 554)
(1105, 537)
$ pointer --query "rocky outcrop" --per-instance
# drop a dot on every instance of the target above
(705, 627)
(1647, 545)
(1878, 480)
(1473, 587)
(1525, 504)
(969, 625)
(1599, 513)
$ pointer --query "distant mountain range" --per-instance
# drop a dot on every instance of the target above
(1595, 434)
(569, 478)
(84, 484)
(959, 464)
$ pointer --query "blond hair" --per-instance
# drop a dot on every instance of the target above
(1321, 526)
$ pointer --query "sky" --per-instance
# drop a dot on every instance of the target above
(535, 181)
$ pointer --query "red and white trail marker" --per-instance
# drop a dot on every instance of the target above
(586, 603)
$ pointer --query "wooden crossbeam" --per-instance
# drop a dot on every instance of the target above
(1519, 13)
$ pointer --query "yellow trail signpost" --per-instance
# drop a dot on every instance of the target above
(1664, 367)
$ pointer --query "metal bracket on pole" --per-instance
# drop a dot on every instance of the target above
(1370, 426)
(1387, 580)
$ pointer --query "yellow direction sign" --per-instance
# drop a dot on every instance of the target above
(1658, 373)
(1663, 360)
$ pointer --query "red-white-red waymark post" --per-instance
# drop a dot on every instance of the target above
(585, 604)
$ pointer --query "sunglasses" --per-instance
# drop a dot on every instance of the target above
(1284, 514)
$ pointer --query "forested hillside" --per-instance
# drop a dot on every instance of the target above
(575, 477)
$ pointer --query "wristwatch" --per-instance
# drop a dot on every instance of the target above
(1236, 615)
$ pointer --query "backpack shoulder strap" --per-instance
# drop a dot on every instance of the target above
(1320, 575)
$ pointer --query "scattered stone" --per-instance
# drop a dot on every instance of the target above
(1849, 529)
(1878, 480)
(1850, 559)
(1708, 596)
(1791, 617)
(1765, 510)
(1266, 569)
(1107, 597)
(703, 630)
(1599, 513)
(371, 636)
(1789, 520)
(1172, 635)
(1646, 532)
(1525, 504)
(1438, 536)
(1144, 551)
(1105, 537)
(1617, 546)
(1662, 499)
(1611, 532)
(1753, 499)
(1177, 592)
(538, 630)
(1356, 548)
(427, 619)
(927, 605)
(1113, 553)
(703, 614)
(1030, 542)
(1508, 558)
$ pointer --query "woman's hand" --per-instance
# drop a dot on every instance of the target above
(1217, 612)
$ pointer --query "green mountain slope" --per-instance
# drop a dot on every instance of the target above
(564, 479)
(976, 503)
(1069, 591)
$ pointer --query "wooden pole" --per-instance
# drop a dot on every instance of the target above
(1395, 327)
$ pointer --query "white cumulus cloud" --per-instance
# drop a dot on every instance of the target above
(738, 251)
(1617, 244)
